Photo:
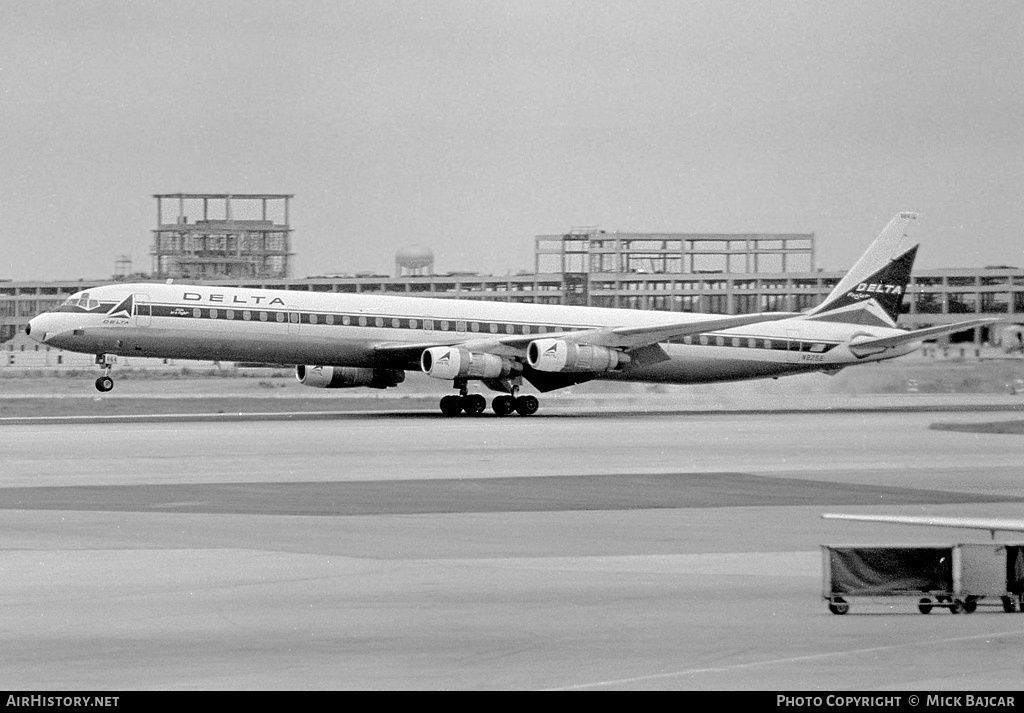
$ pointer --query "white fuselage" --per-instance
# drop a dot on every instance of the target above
(331, 329)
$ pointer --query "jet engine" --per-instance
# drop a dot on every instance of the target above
(560, 355)
(344, 377)
(456, 363)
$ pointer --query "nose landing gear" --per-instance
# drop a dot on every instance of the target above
(105, 362)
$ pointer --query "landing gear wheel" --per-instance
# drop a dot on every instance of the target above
(970, 605)
(503, 405)
(474, 404)
(527, 405)
(104, 384)
(451, 405)
(925, 605)
(838, 606)
(1009, 604)
(956, 607)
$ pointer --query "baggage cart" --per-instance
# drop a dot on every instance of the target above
(909, 571)
(989, 574)
(955, 577)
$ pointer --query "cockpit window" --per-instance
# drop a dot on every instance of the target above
(81, 301)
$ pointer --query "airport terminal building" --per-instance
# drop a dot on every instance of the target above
(678, 272)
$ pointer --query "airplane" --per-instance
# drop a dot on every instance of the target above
(359, 340)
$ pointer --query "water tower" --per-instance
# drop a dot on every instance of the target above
(122, 267)
(414, 260)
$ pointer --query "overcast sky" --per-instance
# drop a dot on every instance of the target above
(470, 127)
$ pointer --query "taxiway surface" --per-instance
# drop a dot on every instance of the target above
(634, 551)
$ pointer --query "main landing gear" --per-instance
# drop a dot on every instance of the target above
(475, 404)
(105, 362)
(472, 404)
(523, 405)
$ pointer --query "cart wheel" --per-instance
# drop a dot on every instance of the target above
(956, 607)
(970, 605)
(925, 606)
(1009, 604)
(838, 606)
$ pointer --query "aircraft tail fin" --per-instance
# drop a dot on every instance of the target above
(872, 291)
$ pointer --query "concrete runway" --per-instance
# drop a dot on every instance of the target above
(667, 551)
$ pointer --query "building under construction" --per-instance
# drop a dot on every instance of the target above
(206, 236)
(592, 259)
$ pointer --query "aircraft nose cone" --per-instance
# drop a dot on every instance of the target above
(36, 328)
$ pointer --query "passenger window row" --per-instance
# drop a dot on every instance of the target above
(352, 320)
(778, 343)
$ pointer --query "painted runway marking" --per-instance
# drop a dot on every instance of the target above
(776, 662)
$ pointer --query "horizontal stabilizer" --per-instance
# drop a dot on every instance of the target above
(973, 523)
(873, 346)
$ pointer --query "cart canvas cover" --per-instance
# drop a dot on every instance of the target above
(1015, 568)
(885, 570)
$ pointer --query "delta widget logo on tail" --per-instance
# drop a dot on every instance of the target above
(885, 287)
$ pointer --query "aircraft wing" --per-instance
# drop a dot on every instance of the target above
(405, 356)
(616, 337)
(635, 337)
(972, 523)
(873, 346)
